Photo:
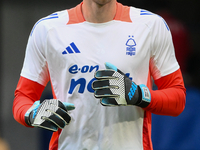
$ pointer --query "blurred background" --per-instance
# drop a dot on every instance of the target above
(168, 133)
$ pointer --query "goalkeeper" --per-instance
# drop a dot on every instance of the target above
(101, 59)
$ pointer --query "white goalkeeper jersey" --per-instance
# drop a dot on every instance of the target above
(66, 50)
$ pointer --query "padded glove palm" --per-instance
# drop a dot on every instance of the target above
(50, 114)
(115, 88)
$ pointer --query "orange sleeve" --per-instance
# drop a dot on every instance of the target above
(170, 97)
(26, 93)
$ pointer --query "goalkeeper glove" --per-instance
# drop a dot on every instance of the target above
(50, 114)
(113, 87)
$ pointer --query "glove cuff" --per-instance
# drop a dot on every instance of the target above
(27, 121)
(145, 96)
(29, 112)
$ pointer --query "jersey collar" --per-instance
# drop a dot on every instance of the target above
(76, 16)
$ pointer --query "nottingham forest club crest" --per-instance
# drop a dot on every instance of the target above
(130, 49)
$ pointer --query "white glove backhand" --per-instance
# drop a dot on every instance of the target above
(114, 88)
(50, 114)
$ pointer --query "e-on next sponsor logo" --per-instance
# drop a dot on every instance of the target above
(82, 83)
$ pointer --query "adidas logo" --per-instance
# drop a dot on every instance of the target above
(71, 49)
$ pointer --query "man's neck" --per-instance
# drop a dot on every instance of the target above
(99, 13)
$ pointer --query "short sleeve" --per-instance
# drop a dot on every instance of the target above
(163, 60)
(35, 65)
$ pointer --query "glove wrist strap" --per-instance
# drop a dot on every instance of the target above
(27, 120)
(145, 96)
(27, 115)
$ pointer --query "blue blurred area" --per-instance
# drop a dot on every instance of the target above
(182, 132)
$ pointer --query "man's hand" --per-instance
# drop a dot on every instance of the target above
(115, 88)
(50, 114)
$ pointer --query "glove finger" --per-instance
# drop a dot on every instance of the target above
(100, 84)
(113, 67)
(66, 106)
(51, 123)
(61, 105)
(69, 106)
(57, 120)
(107, 101)
(104, 74)
(48, 125)
(63, 115)
(100, 93)
(54, 119)
(110, 66)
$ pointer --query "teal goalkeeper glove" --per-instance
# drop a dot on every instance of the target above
(113, 87)
(50, 114)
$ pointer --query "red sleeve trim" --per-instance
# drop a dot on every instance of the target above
(170, 97)
(26, 93)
